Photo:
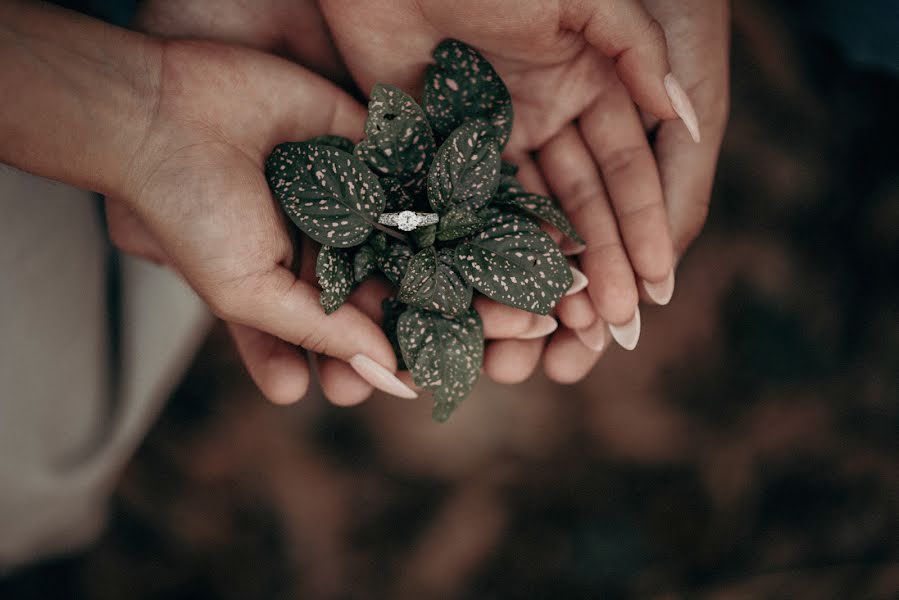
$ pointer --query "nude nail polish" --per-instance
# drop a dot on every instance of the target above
(380, 377)
(682, 105)
(594, 337)
(627, 334)
(579, 281)
(661, 291)
(544, 326)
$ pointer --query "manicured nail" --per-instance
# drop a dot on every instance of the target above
(594, 337)
(572, 248)
(680, 101)
(579, 282)
(627, 335)
(380, 377)
(662, 291)
(544, 326)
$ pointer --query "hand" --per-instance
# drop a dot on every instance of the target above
(698, 46)
(197, 191)
(271, 27)
(555, 60)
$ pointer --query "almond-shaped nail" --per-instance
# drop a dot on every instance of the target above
(680, 101)
(543, 326)
(579, 281)
(381, 378)
(627, 334)
(594, 337)
(661, 291)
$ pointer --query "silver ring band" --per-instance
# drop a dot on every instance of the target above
(408, 220)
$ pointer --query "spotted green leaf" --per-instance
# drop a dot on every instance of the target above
(337, 141)
(424, 236)
(398, 198)
(392, 311)
(459, 222)
(462, 86)
(507, 168)
(515, 263)
(432, 282)
(443, 354)
(398, 141)
(508, 184)
(541, 207)
(364, 263)
(465, 170)
(334, 270)
(394, 260)
(329, 194)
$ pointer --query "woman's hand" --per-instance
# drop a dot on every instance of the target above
(574, 70)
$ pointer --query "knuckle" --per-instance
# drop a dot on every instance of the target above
(620, 160)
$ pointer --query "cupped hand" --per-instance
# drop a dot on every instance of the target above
(197, 191)
(575, 71)
(278, 26)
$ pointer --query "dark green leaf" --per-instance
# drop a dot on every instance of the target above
(392, 311)
(507, 168)
(327, 193)
(460, 221)
(432, 282)
(541, 207)
(394, 260)
(424, 236)
(397, 197)
(364, 263)
(465, 170)
(443, 354)
(398, 141)
(462, 86)
(508, 184)
(515, 263)
(334, 270)
(337, 141)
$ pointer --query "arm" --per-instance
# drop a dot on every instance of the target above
(78, 94)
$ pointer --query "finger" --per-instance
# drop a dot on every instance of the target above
(339, 382)
(612, 130)
(128, 233)
(576, 311)
(625, 32)
(512, 361)
(687, 173)
(572, 174)
(277, 368)
(567, 359)
(505, 322)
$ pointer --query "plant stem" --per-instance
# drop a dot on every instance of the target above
(392, 233)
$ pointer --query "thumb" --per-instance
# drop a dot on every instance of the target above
(278, 303)
(625, 32)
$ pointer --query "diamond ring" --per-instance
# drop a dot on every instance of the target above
(408, 220)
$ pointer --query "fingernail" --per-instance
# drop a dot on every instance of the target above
(662, 291)
(380, 377)
(594, 337)
(680, 101)
(544, 326)
(572, 248)
(579, 282)
(627, 335)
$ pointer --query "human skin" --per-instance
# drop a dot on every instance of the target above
(177, 132)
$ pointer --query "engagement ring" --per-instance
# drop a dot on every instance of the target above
(408, 220)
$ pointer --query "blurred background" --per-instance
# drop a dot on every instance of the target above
(746, 449)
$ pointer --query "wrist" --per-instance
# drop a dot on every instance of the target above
(84, 95)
